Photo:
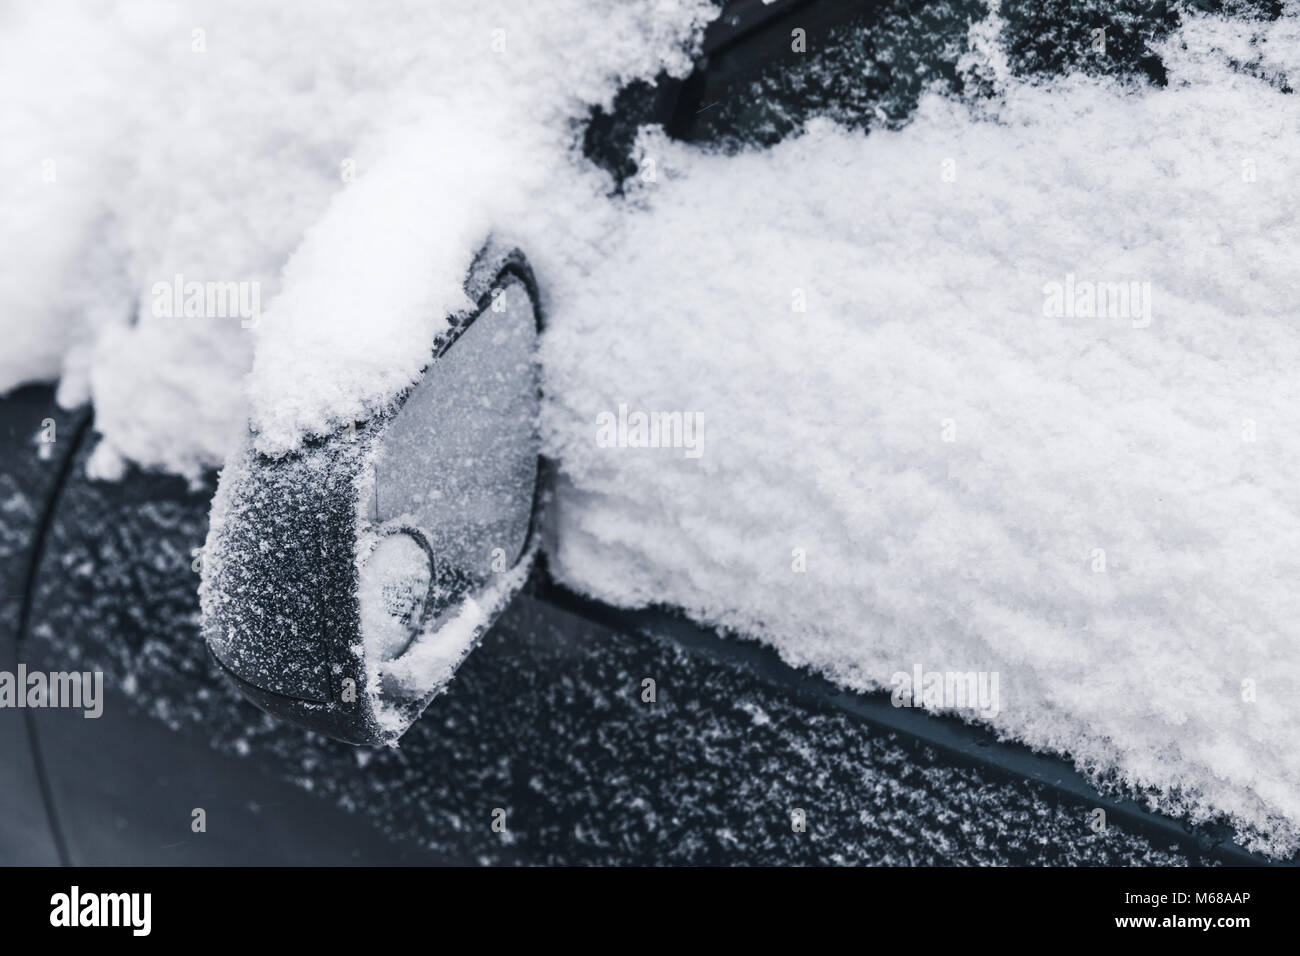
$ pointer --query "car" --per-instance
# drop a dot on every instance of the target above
(331, 700)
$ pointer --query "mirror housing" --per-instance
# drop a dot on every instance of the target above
(344, 584)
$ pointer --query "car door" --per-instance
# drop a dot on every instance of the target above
(35, 461)
(574, 734)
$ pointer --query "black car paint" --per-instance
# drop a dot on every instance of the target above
(32, 470)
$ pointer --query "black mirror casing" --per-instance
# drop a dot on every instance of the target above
(281, 601)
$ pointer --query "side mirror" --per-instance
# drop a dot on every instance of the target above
(344, 584)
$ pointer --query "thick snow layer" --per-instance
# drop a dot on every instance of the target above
(972, 473)
(1103, 510)
(369, 146)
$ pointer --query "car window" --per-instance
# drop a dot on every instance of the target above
(862, 65)
(866, 65)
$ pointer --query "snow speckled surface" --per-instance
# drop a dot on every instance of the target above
(544, 720)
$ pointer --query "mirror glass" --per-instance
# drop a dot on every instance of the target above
(459, 462)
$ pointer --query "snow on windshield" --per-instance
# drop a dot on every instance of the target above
(1005, 391)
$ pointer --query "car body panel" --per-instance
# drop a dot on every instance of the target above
(33, 469)
(549, 722)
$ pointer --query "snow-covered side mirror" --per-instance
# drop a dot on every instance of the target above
(344, 584)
